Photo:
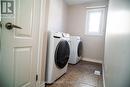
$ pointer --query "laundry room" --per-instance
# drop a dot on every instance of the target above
(75, 46)
(64, 43)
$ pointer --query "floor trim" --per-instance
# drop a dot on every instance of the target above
(92, 60)
(103, 68)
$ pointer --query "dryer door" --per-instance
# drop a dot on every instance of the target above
(79, 51)
(62, 53)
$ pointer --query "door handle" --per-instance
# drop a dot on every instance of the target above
(10, 26)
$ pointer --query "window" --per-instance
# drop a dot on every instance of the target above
(95, 21)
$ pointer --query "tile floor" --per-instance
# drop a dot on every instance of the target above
(80, 75)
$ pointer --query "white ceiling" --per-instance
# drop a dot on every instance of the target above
(73, 2)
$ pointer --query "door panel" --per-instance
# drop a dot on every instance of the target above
(28, 16)
(22, 61)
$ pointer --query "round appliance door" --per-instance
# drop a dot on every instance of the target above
(62, 53)
(79, 51)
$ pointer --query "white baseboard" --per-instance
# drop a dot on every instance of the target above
(103, 69)
(92, 60)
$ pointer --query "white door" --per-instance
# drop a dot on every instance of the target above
(19, 46)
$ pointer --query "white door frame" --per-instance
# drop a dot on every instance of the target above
(42, 44)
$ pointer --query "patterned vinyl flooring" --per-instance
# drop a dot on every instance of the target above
(80, 75)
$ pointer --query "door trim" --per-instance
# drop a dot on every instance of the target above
(42, 44)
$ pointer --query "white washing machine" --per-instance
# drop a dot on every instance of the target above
(75, 49)
(57, 56)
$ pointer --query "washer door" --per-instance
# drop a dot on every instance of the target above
(79, 51)
(62, 53)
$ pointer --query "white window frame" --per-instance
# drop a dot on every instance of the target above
(102, 22)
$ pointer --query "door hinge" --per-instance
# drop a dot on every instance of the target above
(36, 77)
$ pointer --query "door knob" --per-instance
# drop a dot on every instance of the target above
(10, 26)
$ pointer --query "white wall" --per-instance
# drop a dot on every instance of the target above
(57, 15)
(93, 46)
(0, 50)
(117, 47)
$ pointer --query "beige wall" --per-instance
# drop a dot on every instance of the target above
(57, 15)
(93, 46)
(71, 19)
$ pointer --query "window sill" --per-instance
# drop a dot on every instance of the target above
(95, 35)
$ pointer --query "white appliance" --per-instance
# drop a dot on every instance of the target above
(57, 56)
(75, 49)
